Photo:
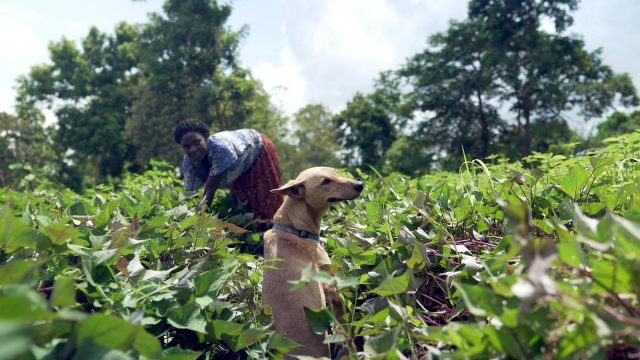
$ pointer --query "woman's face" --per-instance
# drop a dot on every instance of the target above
(194, 145)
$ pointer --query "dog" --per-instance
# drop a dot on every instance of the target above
(294, 239)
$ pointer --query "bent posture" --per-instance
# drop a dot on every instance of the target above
(244, 160)
(294, 238)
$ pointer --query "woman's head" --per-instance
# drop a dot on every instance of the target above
(190, 125)
(192, 135)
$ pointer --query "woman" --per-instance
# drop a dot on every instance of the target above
(244, 160)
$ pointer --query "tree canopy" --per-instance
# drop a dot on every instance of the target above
(89, 90)
(490, 79)
(370, 123)
(505, 80)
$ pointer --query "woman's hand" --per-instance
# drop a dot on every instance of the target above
(202, 205)
(210, 188)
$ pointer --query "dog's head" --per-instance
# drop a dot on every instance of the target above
(320, 187)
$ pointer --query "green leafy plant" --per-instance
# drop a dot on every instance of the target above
(500, 260)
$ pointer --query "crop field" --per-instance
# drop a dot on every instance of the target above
(538, 259)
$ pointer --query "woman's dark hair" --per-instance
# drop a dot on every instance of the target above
(190, 125)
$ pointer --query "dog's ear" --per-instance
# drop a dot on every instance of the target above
(293, 189)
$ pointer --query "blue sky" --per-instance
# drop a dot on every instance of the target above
(303, 51)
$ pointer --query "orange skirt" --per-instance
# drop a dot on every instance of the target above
(254, 186)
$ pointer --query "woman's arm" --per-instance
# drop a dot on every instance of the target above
(210, 187)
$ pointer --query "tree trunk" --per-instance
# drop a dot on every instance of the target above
(526, 148)
(484, 130)
(97, 174)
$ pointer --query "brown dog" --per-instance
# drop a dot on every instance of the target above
(296, 224)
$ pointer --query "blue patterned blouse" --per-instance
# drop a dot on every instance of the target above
(231, 153)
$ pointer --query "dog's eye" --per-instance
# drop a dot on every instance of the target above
(325, 182)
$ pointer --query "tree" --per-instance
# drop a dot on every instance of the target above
(366, 131)
(541, 75)
(369, 124)
(88, 89)
(188, 56)
(452, 84)
(547, 136)
(23, 142)
(619, 123)
(497, 79)
(114, 91)
(314, 140)
(410, 156)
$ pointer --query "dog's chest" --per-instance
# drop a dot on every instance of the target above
(285, 246)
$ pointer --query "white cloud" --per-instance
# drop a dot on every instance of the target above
(26, 27)
(611, 26)
(19, 37)
(334, 49)
(20, 44)
(284, 82)
(76, 29)
(341, 46)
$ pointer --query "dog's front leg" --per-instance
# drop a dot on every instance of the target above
(335, 301)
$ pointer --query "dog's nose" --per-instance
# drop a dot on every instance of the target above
(358, 187)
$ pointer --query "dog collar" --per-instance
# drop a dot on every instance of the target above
(300, 233)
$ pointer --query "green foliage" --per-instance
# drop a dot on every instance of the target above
(314, 141)
(89, 91)
(110, 91)
(370, 123)
(452, 84)
(23, 141)
(542, 74)
(619, 123)
(551, 136)
(396, 158)
(497, 82)
(189, 68)
(495, 261)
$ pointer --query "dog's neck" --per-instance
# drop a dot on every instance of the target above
(298, 214)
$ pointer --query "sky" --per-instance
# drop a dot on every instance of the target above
(303, 51)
